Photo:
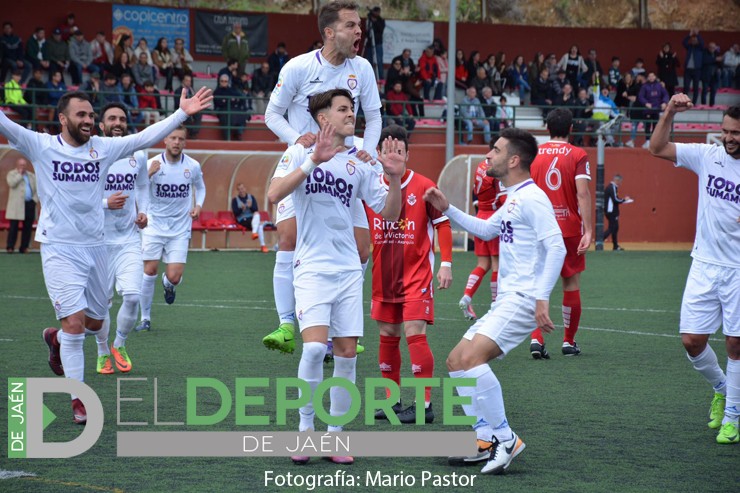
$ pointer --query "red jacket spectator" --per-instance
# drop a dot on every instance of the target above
(428, 66)
(147, 100)
(397, 102)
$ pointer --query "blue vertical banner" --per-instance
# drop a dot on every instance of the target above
(151, 23)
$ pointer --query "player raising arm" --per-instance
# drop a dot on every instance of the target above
(710, 298)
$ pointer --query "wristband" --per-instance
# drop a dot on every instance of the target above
(445, 264)
(308, 166)
(105, 203)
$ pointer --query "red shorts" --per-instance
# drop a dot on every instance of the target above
(574, 263)
(396, 313)
(486, 248)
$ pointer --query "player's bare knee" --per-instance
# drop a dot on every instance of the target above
(345, 347)
(694, 343)
(74, 324)
(733, 347)
(150, 268)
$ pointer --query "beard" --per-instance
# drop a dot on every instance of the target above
(734, 154)
(77, 135)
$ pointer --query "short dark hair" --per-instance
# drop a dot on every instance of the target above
(231, 61)
(733, 112)
(559, 121)
(7, 23)
(64, 100)
(329, 13)
(395, 132)
(323, 100)
(522, 144)
(615, 58)
(109, 106)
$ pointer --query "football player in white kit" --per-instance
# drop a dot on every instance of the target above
(325, 183)
(336, 65)
(532, 253)
(711, 297)
(124, 216)
(70, 169)
(174, 179)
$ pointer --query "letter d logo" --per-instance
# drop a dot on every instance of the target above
(28, 416)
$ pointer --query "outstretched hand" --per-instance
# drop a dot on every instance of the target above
(394, 163)
(199, 102)
(438, 200)
(324, 149)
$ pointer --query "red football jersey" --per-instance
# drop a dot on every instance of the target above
(555, 170)
(403, 251)
(489, 190)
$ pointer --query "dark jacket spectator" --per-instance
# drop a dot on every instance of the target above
(653, 93)
(263, 80)
(35, 89)
(11, 54)
(232, 108)
(58, 51)
(277, 59)
(542, 89)
(667, 63)
(36, 50)
(472, 65)
(406, 61)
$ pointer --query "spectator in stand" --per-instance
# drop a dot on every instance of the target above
(551, 62)
(263, 81)
(278, 58)
(654, 98)
(235, 46)
(130, 100)
(667, 63)
(694, 45)
(150, 90)
(11, 53)
(412, 85)
(35, 93)
(473, 116)
(124, 45)
(37, 50)
(604, 110)
(730, 63)
(92, 88)
(58, 52)
(626, 99)
(14, 98)
(55, 90)
(68, 27)
(542, 91)
(480, 80)
(490, 109)
(444, 70)
(374, 27)
(558, 84)
(567, 98)
(102, 52)
(406, 61)
(316, 45)
(21, 206)
(142, 71)
(490, 65)
(81, 58)
(520, 76)
(148, 108)
(439, 46)
(246, 212)
(231, 70)
(639, 68)
(506, 81)
(231, 107)
(592, 66)
(461, 70)
(193, 122)
(395, 73)
(614, 75)
(473, 64)
(711, 69)
(122, 66)
(504, 113)
(162, 57)
(182, 60)
(398, 110)
(536, 66)
(111, 90)
(574, 66)
(429, 74)
(143, 47)
(497, 81)
(582, 114)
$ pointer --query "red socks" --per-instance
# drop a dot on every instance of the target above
(474, 281)
(422, 360)
(389, 359)
(571, 314)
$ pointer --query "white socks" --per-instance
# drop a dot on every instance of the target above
(706, 364)
(101, 336)
(340, 398)
(490, 401)
(282, 285)
(364, 267)
(147, 295)
(259, 228)
(732, 407)
(73, 359)
(126, 319)
(311, 369)
(482, 429)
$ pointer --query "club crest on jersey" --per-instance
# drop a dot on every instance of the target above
(352, 82)
(93, 153)
(411, 199)
(132, 162)
(511, 206)
(187, 174)
(588, 168)
(281, 208)
(57, 306)
(351, 167)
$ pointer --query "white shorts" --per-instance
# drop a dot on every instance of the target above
(286, 210)
(333, 299)
(170, 250)
(76, 279)
(710, 299)
(508, 323)
(126, 268)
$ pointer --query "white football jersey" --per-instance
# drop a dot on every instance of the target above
(129, 176)
(717, 230)
(171, 193)
(70, 179)
(309, 74)
(324, 205)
